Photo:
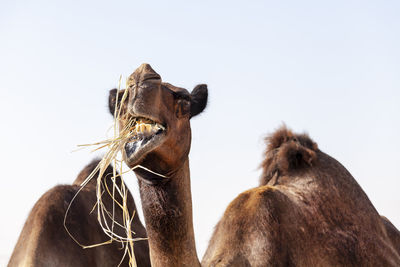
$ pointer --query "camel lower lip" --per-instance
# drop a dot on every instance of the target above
(132, 146)
(143, 132)
(139, 142)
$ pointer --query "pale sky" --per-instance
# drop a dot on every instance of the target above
(328, 68)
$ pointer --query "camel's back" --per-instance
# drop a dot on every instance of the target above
(334, 219)
(276, 226)
(45, 242)
(309, 212)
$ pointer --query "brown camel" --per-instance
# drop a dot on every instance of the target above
(163, 111)
(307, 211)
(45, 242)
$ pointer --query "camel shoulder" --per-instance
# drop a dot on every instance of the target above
(254, 201)
(248, 229)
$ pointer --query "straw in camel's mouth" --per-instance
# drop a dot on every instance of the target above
(144, 135)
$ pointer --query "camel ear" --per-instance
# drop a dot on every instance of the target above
(198, 101)
(112, 99)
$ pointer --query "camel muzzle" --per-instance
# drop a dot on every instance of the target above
(143, 132)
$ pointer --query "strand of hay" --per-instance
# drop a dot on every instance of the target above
(112, 155)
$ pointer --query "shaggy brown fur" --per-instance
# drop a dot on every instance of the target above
(287, 152)
(307, 211)
(44, 241)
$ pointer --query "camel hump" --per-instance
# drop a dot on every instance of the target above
(286, 152)
(88, 169)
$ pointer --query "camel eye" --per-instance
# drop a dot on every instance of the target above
(181, 96)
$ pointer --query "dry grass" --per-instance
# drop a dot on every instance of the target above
(113, 156)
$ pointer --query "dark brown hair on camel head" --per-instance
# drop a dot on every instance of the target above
(162, 129)
(287, 152)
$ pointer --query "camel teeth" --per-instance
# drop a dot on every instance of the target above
(149, 128)
(141, 129)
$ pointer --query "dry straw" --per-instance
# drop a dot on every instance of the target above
(113, 156)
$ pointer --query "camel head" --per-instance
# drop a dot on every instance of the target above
(161, 112)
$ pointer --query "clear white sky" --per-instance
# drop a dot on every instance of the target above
(330, 68)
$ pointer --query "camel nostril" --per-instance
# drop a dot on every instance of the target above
(151, 76)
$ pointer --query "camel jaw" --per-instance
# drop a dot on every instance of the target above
(145, 136)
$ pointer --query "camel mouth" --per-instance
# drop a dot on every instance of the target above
(144, 134)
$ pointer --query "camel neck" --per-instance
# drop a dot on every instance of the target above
(167, 210)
